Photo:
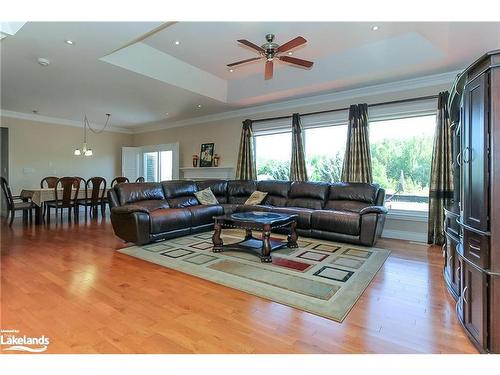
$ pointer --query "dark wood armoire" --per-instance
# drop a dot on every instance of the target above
(472, 221)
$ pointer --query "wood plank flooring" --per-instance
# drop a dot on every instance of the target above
(67, 282)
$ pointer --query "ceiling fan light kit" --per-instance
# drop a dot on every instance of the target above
(271, 50)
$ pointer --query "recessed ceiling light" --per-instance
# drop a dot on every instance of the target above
(375, 28)
(290, 53)
(70, 42)
(166, 114)
(177, 42)
(199, 105)
(231, 70)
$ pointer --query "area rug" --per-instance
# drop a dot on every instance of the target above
(321, 277)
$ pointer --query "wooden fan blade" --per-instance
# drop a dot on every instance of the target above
(251, 45)
(292, 44)
(244, 61)
(293, 60)
(269, 70)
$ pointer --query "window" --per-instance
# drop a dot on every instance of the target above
(401, 155)
(325, 148)
(158, 165)
(273, 154)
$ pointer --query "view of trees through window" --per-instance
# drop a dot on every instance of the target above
(401, 155)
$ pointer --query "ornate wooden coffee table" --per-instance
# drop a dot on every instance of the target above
(261, 221)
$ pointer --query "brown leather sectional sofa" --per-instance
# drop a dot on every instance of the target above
(348, 212)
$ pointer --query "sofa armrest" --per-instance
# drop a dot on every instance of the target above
(374, 210)
(128, 209)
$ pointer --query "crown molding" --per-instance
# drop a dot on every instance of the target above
(57, 121)
(385, 88)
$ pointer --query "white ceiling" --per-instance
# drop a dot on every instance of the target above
(141, 82)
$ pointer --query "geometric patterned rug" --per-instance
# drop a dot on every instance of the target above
(321, 277)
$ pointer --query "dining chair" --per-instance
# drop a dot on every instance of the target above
(119, 180)
(49, 181)
(24, 205)
(95, 191)
(140, 179)
(66, 195)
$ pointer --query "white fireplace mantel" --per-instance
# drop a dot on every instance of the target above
(206, 173)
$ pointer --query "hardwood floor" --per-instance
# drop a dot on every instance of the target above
(67, 282)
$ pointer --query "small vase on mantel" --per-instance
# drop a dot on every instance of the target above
(216, 160)
(195, 161)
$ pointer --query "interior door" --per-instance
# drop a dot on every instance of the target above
(131, 167)
(475, 154)
(4, 171)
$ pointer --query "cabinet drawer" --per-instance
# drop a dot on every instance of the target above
(477, 248)
(451, 226)
(452, 265)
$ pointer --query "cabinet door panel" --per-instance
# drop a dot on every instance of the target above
(474, 156)
(474, 299)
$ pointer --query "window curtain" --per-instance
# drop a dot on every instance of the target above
(441, 184)
(298, 170)
(246, 167)
(357, 165)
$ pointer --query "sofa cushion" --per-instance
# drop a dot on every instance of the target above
(310, 195)
(169, 219)
(218, 187)
(341, 205)
(336, 221)
(180, 193)
(152, 205)
(277, 192)
(354, 191)
(134, 192)
(239, 191)
(206, 197)
(304, 219)
(255, 198)
(202, 215)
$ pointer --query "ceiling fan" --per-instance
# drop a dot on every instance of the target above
(271, 50)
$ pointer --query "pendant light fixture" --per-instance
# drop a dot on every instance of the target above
(85, 150)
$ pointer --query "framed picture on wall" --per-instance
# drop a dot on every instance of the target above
(207, 154)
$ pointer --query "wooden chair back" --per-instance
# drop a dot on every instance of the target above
(119, 180)
(79, 182)
(7, 193)
(98, 186)
(140, 179)
(50, 181)
(69, 193)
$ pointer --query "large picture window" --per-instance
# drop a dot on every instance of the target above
(273, 154)
(325, 148)
(401, 155)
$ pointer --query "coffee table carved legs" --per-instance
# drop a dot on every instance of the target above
(266, 245)
(216, 240)
(292, 237)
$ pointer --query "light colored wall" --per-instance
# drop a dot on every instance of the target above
(47, 149)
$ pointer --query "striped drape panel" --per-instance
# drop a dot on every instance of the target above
(246, 168)
(357, 165)
(298, 170)
(441, 184)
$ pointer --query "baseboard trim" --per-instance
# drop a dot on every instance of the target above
(404, 235)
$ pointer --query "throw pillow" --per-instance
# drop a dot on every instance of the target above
(206, 197)
(256, 198)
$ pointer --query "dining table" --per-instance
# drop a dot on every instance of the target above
(40, 195)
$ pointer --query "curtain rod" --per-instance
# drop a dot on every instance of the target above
(347, 108)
